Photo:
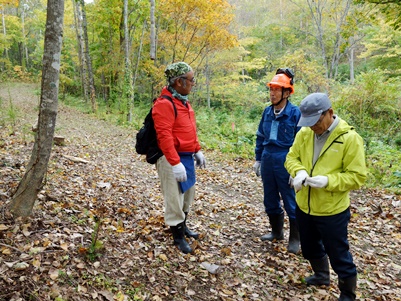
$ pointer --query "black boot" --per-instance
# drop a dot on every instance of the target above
(347, 288)
(189, 233)
(277, 223)
(293, 241)
(179, 239)
(322, 272)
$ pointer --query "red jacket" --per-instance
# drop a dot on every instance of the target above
(175, 134)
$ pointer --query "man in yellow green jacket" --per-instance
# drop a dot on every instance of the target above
(326, 161)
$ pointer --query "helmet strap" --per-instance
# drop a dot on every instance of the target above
(282, 98)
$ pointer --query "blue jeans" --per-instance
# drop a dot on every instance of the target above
(321, 235)
(275, 184)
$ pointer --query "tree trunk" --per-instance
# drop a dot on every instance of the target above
(24, 198)
(337, 10)
(3, 22)
(88, 59)
(207, 75)
(316, 10)
(337, 53)
(81, 46)
(25, 57)
(128, 73)
(351, 61)
(152, 31)
(137, 62)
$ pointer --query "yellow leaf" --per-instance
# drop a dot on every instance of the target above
(6, 251)
(119, 297)
(163, 257)
(36, 263)
(120, 229)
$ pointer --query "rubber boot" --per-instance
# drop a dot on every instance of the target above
(322, 272)
(277, 223)
(179, 238)
(293, 241)
(347, 288)
(189, 233)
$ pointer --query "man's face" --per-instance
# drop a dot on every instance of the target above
(276, 94)
(324, 122)
(185, 83)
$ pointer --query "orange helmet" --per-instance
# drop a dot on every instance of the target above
(282, 80)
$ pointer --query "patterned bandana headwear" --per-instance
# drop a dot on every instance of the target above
(176, 69)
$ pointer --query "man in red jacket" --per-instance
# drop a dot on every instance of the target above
(177, 138)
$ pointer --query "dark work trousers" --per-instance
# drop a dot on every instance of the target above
(275, 183)
(321, 235)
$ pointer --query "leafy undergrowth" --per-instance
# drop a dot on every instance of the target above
(97, 229)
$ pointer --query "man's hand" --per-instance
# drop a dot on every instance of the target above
(256, 168)
(300, 179)
(200, 160)
(317, 181)
(180, 173)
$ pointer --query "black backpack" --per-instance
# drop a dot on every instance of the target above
(146, 141)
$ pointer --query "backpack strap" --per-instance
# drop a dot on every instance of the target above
(169, 98)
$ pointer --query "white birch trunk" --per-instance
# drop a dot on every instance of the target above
(24, 198)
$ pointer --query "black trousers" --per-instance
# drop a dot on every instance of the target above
(321, 235)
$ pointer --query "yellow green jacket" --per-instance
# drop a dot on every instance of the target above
(342, 160)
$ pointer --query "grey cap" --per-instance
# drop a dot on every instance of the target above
(312, 107)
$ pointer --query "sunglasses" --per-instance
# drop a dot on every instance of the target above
(288, 72)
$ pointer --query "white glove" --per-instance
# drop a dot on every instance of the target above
(317, 181)
(180, 173)
(200, 159)
(300, 179)
(256, 168)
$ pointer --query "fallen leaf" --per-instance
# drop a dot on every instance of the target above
(163, 257)
(36, 263)
(3, 227)
(211, 268)
(64, 246)
(191, 292)
(108, 295)
(6, 251)
(10, 264)
(53, 273)
(82, 289)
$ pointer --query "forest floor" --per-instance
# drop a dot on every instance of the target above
(96, 183)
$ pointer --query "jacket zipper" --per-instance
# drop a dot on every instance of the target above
(313, 167)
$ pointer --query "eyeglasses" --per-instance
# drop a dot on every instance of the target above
(288, 72)
(192, 80)
(321, 118)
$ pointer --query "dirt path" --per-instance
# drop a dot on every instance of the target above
(137, 260)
